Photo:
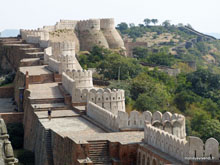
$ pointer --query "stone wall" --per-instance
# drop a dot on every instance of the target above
(55, 65)
(6, 92)
(82, 78)
(102, 116)
(87, 33)
(111, 100)
(180, 148)
(111, 34)
(146, 156)
(12, 117)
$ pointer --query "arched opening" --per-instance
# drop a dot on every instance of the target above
(195, 154)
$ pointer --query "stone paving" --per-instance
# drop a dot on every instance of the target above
(57, 114)
(121, 137)
(6, 105)
(44, 91)
(71, 125)
(35, 70)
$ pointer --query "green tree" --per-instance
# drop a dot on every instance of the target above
(147, 21)
(122, 27)
(154, 21)
(140, 52)
(210, 128)
(166, 23)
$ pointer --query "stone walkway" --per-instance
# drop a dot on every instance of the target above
(35, 70)
(44, 91)
(71, 125)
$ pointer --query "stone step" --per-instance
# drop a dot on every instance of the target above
(46, 101)
(31, 50)
(34, 55)
(30, 62)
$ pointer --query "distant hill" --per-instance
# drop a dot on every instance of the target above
(9, 33)
(216, 35)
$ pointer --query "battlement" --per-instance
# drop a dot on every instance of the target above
(91, 24)
(66, 24)
(107, 23)
(111, 100)
(180, 148)
(102, 116)
(47, 54)
(172, 123)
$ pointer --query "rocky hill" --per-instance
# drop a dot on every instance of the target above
(183, 42)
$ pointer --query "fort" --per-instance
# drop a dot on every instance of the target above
(89, 123)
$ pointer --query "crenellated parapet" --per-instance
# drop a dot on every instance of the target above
(86, 34)
(66, 24)
(172, 123)
(63, 53)
(102, 116)
(181, 149)
(111, 100)
(107, 23)
(82, 78)
(91, 24)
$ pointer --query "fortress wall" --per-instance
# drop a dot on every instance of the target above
(49, 28)
(66, 24)
(111, 34)
(54, 65)
(47, 54)
(6, 92)
(180, 148)
(67, 83)
(172, 123)
(165, 142)
(102, 116)
(82, 78)
(111, 100)
(89, 34)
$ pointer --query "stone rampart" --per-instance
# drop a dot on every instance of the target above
(61, 57)
(67, 83)
(102, 116)
(82, 78)
(6, 92)
(47, 54)
(179, 148)
(111, 100)
(66, 24)
(55, 65)
(172, 123)
(89, 34)
(111, 34)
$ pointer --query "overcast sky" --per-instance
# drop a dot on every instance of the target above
(203, 15)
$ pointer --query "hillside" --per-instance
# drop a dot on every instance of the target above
(183, 42)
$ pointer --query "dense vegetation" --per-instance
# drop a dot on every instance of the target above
(194, 94)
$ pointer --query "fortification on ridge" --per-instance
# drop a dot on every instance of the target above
(85, 34)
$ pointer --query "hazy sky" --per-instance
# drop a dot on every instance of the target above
(203, 15)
